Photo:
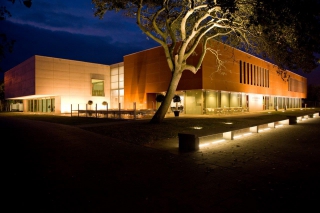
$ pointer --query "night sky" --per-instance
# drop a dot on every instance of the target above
(69, 29)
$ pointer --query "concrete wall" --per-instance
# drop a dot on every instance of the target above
(20, 80)
(68, 81)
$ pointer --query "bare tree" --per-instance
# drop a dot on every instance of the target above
(6, 45)
(181, 27)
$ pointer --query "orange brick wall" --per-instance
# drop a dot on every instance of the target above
(144, 72)
(228, 79)
(148, 72)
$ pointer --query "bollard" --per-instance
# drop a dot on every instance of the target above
(188, 142)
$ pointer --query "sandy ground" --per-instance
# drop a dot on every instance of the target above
(57, 168)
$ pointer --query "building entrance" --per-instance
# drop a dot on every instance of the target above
(41, 105)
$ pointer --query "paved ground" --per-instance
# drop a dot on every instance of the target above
(57, 168)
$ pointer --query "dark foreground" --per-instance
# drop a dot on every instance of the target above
(58, 168)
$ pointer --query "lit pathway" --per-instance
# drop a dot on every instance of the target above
(58, 168)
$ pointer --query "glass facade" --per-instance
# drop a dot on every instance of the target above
(193, 102)
(218, 99)
(117, 86)
(266, 103)
(41, 105)
(285, 103)
(211, 99)
(208, 101)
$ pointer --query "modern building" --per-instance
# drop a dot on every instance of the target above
(241, 81)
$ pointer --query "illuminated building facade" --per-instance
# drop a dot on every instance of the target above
(46, 84)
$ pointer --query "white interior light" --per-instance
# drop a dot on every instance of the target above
(196, 127)
(228, 123)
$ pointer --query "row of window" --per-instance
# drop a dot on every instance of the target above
(296, 86)
(116, 82)
(253, 75)
(117, 86)
(41, 105)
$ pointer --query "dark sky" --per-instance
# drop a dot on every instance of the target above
(68, 29)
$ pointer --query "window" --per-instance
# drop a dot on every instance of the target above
(251, 76)
(240, 71)
(248, 73)
(244, 72)
(254, 75)
(117, 86)
(263, 71)
(260, 76)
(267, 79)
(97, 87)
(296, 85)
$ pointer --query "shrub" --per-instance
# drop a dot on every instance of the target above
(176, 98)
(160, 98)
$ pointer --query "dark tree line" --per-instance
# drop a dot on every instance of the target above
(6, 44)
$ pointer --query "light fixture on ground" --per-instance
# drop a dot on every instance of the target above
(214, 142)
(196, 127)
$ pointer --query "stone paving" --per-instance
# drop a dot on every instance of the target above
(58, 168)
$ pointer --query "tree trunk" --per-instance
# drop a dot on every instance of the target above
(161, 112)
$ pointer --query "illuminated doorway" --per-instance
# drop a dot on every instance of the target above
(41, 105)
